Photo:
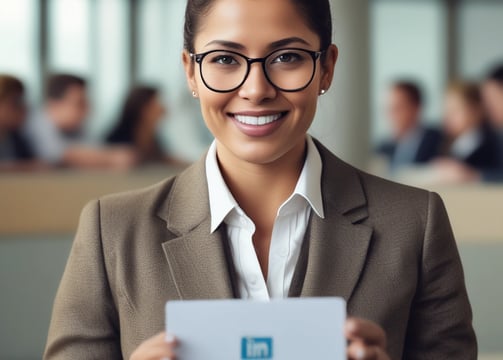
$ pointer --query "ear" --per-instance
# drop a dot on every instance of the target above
(328, 67)
(189, 67)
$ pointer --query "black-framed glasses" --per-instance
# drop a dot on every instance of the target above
(289, 70)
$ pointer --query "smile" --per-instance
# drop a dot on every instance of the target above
(258, 120)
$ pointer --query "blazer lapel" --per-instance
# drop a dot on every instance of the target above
(199, 261)
(338, 244)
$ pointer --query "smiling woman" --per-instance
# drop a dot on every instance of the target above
(269, 212)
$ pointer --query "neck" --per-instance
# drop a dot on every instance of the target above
(260, 189)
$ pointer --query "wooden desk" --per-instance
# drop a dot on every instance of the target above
(50, 203)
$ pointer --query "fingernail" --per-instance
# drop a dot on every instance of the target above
(360, 354)
(170, 338)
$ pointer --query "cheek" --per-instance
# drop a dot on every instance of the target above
(213, 109)
(304, 105)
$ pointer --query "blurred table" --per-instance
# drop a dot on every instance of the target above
(50, 203)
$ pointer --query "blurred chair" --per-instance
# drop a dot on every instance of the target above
(411, 143)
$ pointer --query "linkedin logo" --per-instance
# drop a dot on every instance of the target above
(256, 348)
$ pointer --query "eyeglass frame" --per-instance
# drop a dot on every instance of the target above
(198, 58)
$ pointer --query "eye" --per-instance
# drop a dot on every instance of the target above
(288, 57)
(224, 60)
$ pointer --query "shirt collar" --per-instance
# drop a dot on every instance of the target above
(308, 186)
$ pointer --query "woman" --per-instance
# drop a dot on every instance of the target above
(264, 186)
(137, 124)
(470, 140)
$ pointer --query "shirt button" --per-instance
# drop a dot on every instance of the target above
(253, 280)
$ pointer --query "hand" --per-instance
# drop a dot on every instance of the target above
(158, 347)
(450, 171)
(367, 340)
(122, 158)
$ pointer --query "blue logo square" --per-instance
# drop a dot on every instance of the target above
(256, 348)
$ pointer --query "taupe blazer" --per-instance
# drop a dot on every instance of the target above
(387, 249)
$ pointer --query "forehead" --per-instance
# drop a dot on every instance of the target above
(253, 23)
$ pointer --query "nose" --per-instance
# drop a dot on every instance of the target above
(257, 88)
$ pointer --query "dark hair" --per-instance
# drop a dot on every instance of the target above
(316, 13)
(412, 90)
(468, 91)
(58, 85)
(10, 86)
(130, 115)
(496, 74)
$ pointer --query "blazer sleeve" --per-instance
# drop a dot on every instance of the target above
(84, 319)
(440, 324)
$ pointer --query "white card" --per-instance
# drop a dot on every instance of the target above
(285, 329)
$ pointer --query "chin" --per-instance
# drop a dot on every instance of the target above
(260, 152)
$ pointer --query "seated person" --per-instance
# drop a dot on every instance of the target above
(137, 125)
(411, 143)
(492, 94)
(469, 140)
(15, 152)
(56, 132)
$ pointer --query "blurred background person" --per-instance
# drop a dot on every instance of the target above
(137, 125)
(412, 143)
(15, 151)
(492, 91)
(56, 132)
(469, 138)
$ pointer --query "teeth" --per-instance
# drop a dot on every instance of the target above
(257, 120)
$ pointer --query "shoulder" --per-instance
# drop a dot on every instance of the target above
(128, 207)
(382, 197)
(387, 197)
(176, 194)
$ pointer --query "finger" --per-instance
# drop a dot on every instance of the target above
(163, 338)
(159, 352)
(359, 351)
(365, 331)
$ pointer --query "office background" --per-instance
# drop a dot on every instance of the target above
(117, 43)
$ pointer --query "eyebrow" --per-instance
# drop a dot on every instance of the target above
(274, 45)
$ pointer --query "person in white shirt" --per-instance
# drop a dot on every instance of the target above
(268, 213)
(56, 132)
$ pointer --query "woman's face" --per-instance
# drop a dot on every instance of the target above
(153, 112)
(459, 116)
(255, 28)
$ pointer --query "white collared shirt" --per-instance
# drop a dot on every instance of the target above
(288, 231)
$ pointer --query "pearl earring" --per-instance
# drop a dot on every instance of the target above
(323, 91)
(194, 94)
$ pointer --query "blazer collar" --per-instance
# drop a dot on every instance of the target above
(201, 264)
(199, 261)
(339, 242)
